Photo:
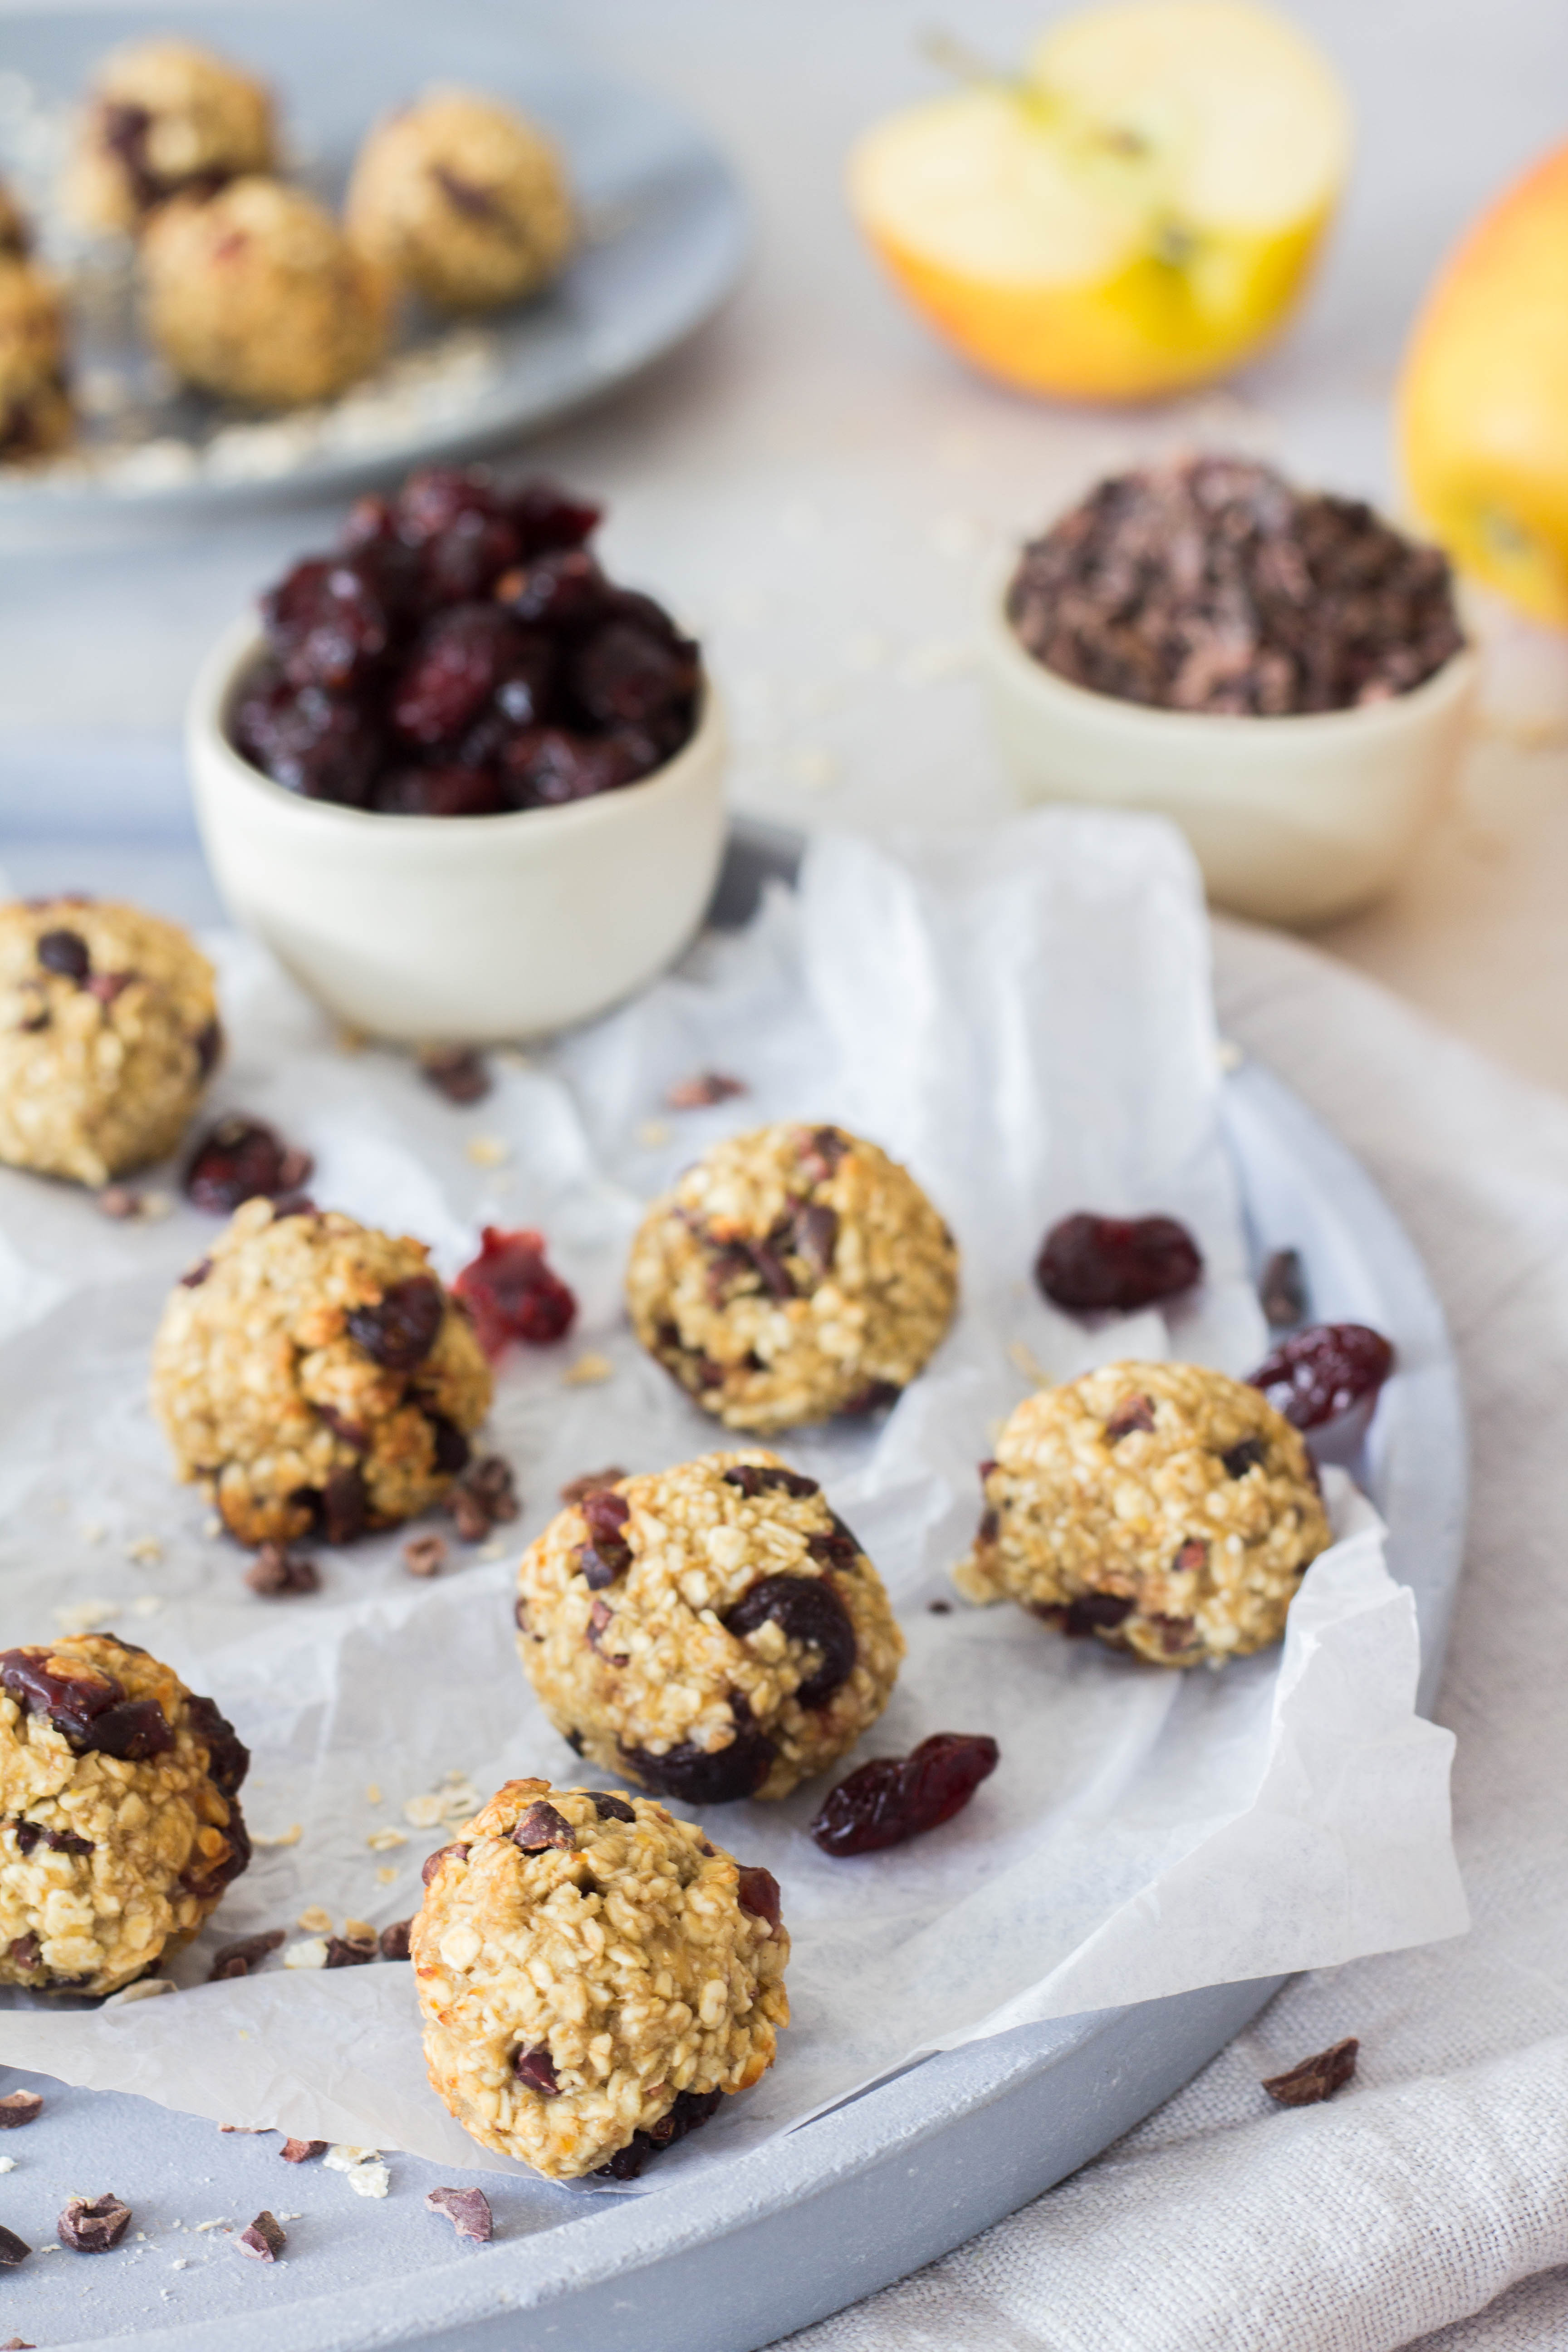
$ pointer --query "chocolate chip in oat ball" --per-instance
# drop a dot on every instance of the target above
(691, 2110)
(1133, 1412)
(701, 1776)
(19, 2107)
(761, 1478)
(265, 2238)
(31, 1834)
(877, 1396)
(400, 1329)
(542, 1827)
(809, 1612)
(247, 1952)
(468, 2209)
(64, 953)
(1120, 1263)
(394, 1940)
(609, 1808)
(433, 1862)
(576, 1489)
(93, 2225)
(892, 1799)
(345, 1504)
(278, 1572)
(1316, 2078)
(242, 1159)
(1212, 585)
(536, 2070)
(1245, 1455)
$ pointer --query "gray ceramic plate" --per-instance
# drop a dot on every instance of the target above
(666, 236)
(806, 2224)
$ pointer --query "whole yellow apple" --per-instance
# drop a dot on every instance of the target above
(1483, 398)
(1135, 215)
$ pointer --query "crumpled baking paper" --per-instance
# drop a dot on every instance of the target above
(1025, 1018)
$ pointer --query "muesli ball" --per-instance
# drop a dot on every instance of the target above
(464, 200)
(165, 118)
(313, 1374)
(255, 294)
(1163, 1507)
(589, 1971)
(793, 1273)
(709, 1632)
(35, 414)
(119, 1819)
(109, 1031)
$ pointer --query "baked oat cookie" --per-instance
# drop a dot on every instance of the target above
(313, 1372)
(590, 1969)
(165, 118)
(35, 414)
(1168, 1509)
(793, 1273)
(464, 200)
(255, 294)
(711, 1631)
(109, 1031)
(119, 1819)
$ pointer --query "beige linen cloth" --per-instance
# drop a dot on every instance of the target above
(1427, 2204)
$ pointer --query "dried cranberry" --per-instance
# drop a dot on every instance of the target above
(345, 1504)
(1124, 1263)
(32, 1834)
(460, 659)
(240, 1159)
(544, 767)
(625, 674)
(601, 1618)
(513, 1294)
(566, 585)
(536, 2070)
(64, 953)
(450, 788)
(369, 523)
(1094, 1613)
(757, 1891)
(1243, 1457)
(1317, 1374)
(761, 1477)
(133, 1731)
(464, 560)
(433, 498)
(228, 1758)
(325, 746)
(699, 1777)
(894, 1797)
(329, 621)
(72, 1701)
(690, 2111)
(400, 1329)
(546, 515)
(809, 1612)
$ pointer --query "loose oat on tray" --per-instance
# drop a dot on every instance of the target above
(711, 1631)
(313, 1372)
(119, 1819)
(108, 1029)
(1167, 1509)
(793, 1273)
(591, 1971)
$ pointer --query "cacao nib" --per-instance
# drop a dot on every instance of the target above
(536, 2070)
(513, 1294)
(762, 1477)
(344, 1503)
(25, 1952)
(19, 2107)
(399, 1331)
(542, 1827)
(14, 2253)
(197, 1274)
(64, 953)
(1175, 1633)
(1122, 1263)
(893, 1798)
(1245, 1455)
(483, 1498)
(611, 1808)
(265, 2238)
(240, 1159)
(237, 1959)
(697, 1777)
(1132, 1412)
(577, 1489)
(228, 1758)
(393, 1939)
(468, 2209)
(601, 1617)
(822, 1152)
(708, 1087)
(92, 2225)
(343, 1952)
(458, 1073)
(1319, 1373)
(817, 1236)
(433, 1862)
(303, 2151)
(278, 1573)
(425, 1555)
(1282, 1290)
(1316, 2078)
(757, 1891)
(809, 1612)
(1095, 1612)
(30, 1835)
(690, 2111)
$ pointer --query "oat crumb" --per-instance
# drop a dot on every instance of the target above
(372, 1792)
(383, 1839)
(146, 1550)
(423, 1812)
(487, 1150)
(291, 1836)
(652, 1133)
(588, 1373)
(385, 1876)
(315, 1921)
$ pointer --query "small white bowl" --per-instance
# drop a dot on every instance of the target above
(1293, 820)
(467, 930)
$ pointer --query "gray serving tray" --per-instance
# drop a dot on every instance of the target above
(796, 2228)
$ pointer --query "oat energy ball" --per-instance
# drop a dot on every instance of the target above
(591, 1969)
(1165, 1508)
(108, 1030)
(256, 295)
(35, 414)
(711, 1631)
(311, 1372)
(119, 1819)
(164, 117)
(793, 1273)
(462, 199)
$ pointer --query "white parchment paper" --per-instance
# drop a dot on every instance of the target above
(1025, 1018)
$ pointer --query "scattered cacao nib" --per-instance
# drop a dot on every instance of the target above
(394, 1940)
(468, 2209)
(265, 2239)
(691, 2110)
(345, 1504)
(19, 2107)
(278, 1573)
(542, 1827)
(1245, 1455)
(577, 1490)
(1282, 1290)
(1132, 1412)
(399, 1331)
(611, 1808)
(1212, 585)
(348, 1952)
(808, 1611)
(536, 2069)
(32, 1834)
(761, 1478)
(1315, 2078)
(699, 1777)
(1319, 1373)
(14, 2253)
(708, 1087)
(940, 1608)
(895, 1798)
(1122, 1263)
(757, 1891)
(242, 1159)
(237, 1959)
(303, 2151)
(484, 1496)
(64, 953)
(118, 1203)
(92, 2225)
(513, 1294)
(26, 1952)
(228, 1758)
(433, 1862)
(460, 1073)
(425, 1555)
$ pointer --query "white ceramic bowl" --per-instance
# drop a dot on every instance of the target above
(458, 929)
(1293, 820)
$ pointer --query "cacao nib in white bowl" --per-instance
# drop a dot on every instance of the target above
(1245, 651)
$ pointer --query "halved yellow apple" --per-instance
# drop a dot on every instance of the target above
(1135, 215)
(1483, 398)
